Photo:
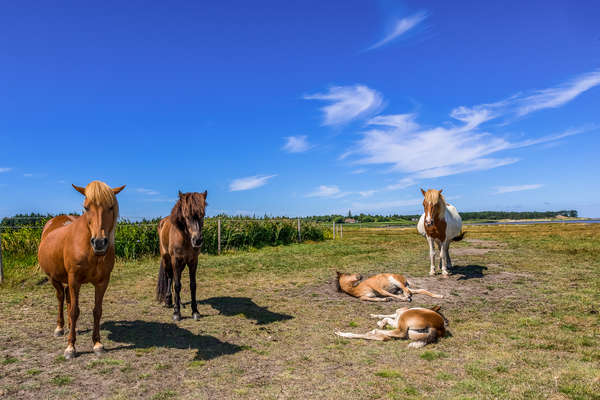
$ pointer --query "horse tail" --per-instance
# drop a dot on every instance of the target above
(459, 237)
(162, 286)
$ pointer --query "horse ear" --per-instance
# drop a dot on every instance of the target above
(441, 191)
(436, 308)
(204, 194)
(79, 189)
(338, 273)
(117, 190)
(179, 193)
(422, 191)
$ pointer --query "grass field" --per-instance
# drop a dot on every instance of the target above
(523, 304)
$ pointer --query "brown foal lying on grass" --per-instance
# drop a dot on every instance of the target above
(421, 325)
(380, 287)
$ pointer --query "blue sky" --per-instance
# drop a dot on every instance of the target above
(301, 109)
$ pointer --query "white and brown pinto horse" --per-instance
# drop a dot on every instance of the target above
(440, 224)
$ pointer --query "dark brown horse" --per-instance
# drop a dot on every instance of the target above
(77, 250)
(180, 236)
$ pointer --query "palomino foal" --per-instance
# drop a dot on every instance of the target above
(421, 325)
(180, 237)
(440, 224)
(380, 287)
(77, 250)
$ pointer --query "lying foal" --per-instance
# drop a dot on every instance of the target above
(380, 287)
(422, 325)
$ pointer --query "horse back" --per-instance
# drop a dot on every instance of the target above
(453, 222)
(59, 221)
(51, 249)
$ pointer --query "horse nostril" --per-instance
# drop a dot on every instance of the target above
(92, 241)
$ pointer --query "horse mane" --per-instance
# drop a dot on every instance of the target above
(435, 197)
(337, 283)
(190, 204)
(100, 194)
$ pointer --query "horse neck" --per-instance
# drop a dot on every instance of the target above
(441, 215)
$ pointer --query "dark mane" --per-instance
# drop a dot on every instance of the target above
(337, 283)
(190, 205)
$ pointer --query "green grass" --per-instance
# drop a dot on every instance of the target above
(388, 373)
(61, 380)
(268, 317)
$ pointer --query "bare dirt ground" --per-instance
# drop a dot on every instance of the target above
(523, 320)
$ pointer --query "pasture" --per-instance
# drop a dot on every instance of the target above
(523, 304)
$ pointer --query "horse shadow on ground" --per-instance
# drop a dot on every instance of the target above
(144, 335)
(468, 271)
(230, 306)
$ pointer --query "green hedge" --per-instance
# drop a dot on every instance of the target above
(133, 240)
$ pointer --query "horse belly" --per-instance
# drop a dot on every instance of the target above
(50, 258)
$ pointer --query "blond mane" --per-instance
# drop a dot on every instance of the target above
(435, 197)
(100, 194)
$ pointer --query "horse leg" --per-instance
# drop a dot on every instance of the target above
(73, 315)
(443, 258)
(169, 271)
(100, 289)
(192, 270)
(431, 255)
(178, 266)
(60, 296)
(449, 262)
(440, 245)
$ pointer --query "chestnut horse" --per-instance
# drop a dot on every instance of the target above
(76, 250)
(180, 236)
(440, 224)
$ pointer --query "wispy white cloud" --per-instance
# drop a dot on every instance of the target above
(367, 193)
(28, 175)
(347, 103)
(149, 192)
(517, 188)
(358, 171)
(558, 96)
(401, 184)
(250, 182)
(296, 144)
(5, 170)
(328, 191)
(522, 104)
(429, 152)
(400, 27)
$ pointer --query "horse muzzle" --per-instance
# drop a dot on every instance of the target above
(99, 245)
(197, 242)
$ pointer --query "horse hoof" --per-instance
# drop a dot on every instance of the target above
(196, 316)
(69, 354)
(99, 349)
(176, 317)
(59, 332)
(445, 276)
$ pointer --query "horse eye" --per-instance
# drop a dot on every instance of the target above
(86, 208)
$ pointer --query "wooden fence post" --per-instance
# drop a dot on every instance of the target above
(334, 229)
(219, 236)
(1, 265)
(299, 236)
